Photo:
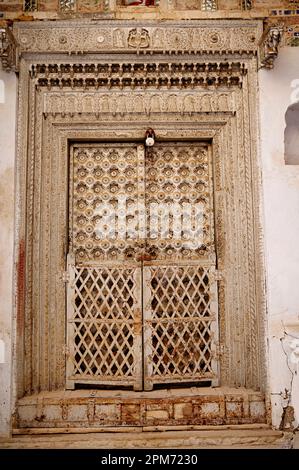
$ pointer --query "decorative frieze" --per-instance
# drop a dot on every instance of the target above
(141, 75)
(126, 103)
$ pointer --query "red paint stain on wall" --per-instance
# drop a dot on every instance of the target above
(21, 287)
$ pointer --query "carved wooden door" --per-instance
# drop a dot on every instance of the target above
(142, 290)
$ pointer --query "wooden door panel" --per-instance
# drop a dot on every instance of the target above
(104, 290)
(142, 295)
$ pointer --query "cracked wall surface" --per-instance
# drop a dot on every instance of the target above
(281, 207)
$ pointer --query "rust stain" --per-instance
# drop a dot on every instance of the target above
(130, 413)
(21, 287)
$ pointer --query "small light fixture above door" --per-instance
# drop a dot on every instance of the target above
(150, 137)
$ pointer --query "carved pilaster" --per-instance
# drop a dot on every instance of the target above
(269, 45)
(8, 49)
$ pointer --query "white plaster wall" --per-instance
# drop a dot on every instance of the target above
(281, 212)
(281, 215)
(8, 87)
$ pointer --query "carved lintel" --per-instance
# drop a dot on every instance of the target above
(269, 46)
(192, 38)
(8, 50)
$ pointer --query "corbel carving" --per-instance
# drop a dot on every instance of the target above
(269, 46)
(8, 49)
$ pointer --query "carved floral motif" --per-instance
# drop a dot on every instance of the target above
(224, 36)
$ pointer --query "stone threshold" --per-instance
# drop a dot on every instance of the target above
(243, 437)
(170, 408)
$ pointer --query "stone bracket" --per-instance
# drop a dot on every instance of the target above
(8, 50)
(269, 45)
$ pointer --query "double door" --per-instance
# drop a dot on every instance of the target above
(142, 290)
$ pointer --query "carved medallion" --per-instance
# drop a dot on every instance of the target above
(139, 38)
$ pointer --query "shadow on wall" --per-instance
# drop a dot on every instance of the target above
(2, 92)
(291, 135)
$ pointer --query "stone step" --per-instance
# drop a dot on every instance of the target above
(243, 438)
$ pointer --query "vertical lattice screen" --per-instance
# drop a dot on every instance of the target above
(142, 297)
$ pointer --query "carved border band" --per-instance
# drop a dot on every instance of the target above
(104, 36)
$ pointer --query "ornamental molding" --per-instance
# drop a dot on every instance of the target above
(142, 75)
(201, 38)
(102, 36)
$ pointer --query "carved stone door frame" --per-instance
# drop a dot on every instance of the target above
(209, 95)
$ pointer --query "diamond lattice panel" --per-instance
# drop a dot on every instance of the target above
(105, 326)
(180, 322)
